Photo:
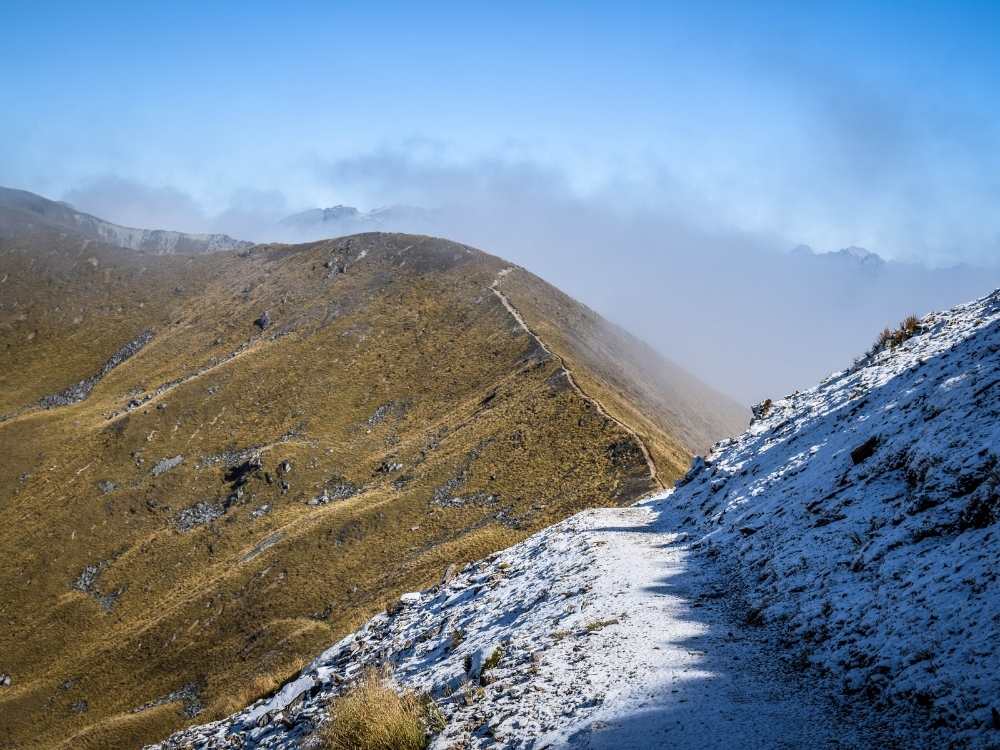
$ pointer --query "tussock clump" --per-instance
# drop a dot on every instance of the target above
(374, 716)
(493, 659)
(597, 625)
(890, 338)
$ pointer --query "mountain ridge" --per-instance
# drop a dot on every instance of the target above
(21, 211)
(350, 220)
(247, 453)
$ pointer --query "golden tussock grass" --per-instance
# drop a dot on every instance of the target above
(893, 337)
(376, 715)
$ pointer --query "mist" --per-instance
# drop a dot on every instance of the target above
(731, 306)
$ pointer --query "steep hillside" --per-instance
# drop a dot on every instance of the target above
(675, 413)
(23, 213)
(826, 579)
(864, 515)
(216, 464)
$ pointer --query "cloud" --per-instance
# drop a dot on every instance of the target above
(669, 263)
(249, 213)
(727, 303)
(852, 159)
(135, 204)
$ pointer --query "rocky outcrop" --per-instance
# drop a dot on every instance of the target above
(79, 391)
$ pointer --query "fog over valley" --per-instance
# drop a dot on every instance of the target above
(701, 291)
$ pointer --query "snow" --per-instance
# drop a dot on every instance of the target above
(607, 638)
(884, 570)
(853, 528)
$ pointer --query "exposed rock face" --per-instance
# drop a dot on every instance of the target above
(34, 211)
(198, 514)
(166, 464)
(80, 391)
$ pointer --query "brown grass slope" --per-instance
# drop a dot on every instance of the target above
(675, 414)
(142, 593)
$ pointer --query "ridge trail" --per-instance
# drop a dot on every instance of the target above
(614, 634)
(495, 288)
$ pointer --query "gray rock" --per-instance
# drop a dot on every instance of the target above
(166, 464)
(338, 489)
(263, 321)
(79, 391)
(198, 514)
(449, 574)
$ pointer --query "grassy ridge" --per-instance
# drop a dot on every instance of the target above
(400, 376)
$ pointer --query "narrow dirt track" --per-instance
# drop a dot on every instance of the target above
(495, 288)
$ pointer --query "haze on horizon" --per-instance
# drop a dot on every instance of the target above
(653, 159)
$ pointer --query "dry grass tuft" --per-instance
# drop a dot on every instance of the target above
(374, 716)
(493, 659)
(593, 627)
(891, 338)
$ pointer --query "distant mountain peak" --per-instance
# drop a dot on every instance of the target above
(853, 253)
(860, 254)
(321, 215)
(351, 219)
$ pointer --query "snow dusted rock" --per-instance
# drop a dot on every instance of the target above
(413, 597)
(697, 466)
(874, 505)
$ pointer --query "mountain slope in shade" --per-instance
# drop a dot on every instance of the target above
(826, 579)
(22, 212)
(216, 464)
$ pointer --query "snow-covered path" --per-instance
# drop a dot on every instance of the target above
(606, 631)
(676, 670)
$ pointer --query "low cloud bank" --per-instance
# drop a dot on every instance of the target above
(732, 306)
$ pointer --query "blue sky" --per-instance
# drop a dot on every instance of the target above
(825, 123)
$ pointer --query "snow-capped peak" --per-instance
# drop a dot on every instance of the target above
(853, 253)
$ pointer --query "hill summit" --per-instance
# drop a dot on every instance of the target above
(216, 463)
